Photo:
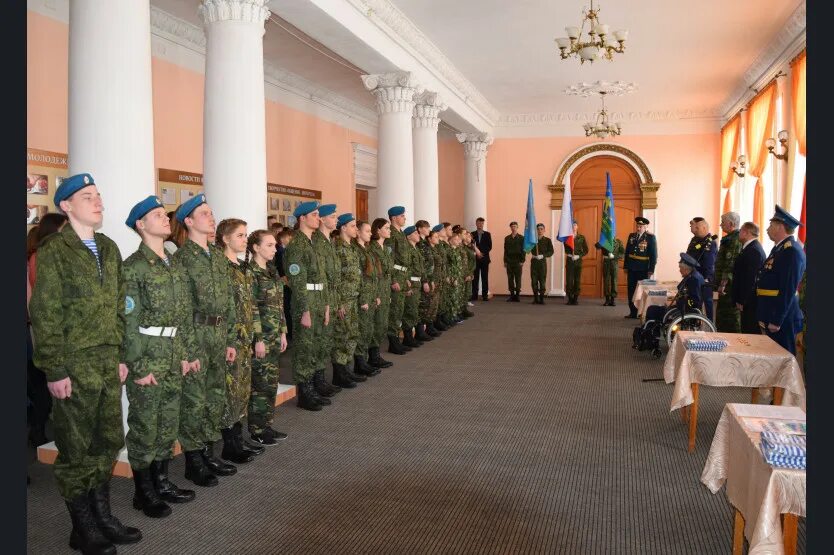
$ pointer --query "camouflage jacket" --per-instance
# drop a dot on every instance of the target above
(73, 307)
(729, 248)
(439, 258)
(580, 247)
(386, 261)
(428, 259)
(156, 294)
(398, 247)
(454, 267)
(324, 250)
(416, 267)
(618, 252)
(470, 260)
(302, 266)
(268, 294)
(248, 324)
(371, 271)
(209, 284)
(350, 275)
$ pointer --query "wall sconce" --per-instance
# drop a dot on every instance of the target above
(783, 140)
(742, 160)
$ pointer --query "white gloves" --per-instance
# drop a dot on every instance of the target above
(539, 256)
(610, 255)
(574, 257)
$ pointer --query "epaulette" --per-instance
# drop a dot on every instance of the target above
(786, 245)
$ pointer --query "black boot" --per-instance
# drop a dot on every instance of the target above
(324, 388)
(408, 338)
(422, 334)
(363, 368)
(253, 449)
(510, 299)
(535, 297)
(306, 397)
(110, 526)
(340, 377)
(467, 313)
(352, 375)
(167, 490)
(375, 360)
(613, 303)
(438, 325)
(323, 401)
(232, 450)
(197, 471)
(85, 534)
(394, 345)
(145, 498)
(431, 331)
(214, 464)
(541, 297)
(517, 297)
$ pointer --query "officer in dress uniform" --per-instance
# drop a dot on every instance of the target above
(777, 301)
(703, 247)
(690, 289)
(640, 259)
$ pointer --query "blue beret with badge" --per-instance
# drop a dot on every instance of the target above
(409, 230)
(305, 208)
(396, 211)
(437, 228)
(186, 208)
(689, 261)
(327, 209)
(141, 208)
(343, 219)
(72, 185)
(781, 215)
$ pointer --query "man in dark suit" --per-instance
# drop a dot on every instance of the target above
(746, 266)
(483, 244)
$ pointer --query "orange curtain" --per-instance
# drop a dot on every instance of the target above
(803, 218)
(729, 150)
(760, 116)
(798, 97)
(728, 203)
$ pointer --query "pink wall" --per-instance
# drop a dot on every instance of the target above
(47, 77)
(686, 166)
(450, 167)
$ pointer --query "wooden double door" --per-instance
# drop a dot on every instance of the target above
(587, 195)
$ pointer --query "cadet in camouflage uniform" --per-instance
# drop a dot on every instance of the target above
(231, 236)
(446, 308)
(453, 263)
(398, 245)
(417, 279)
(204, 392)
(268, 293)
(369, 301)
(380, 233)
(425, 326)
(573, 265)
(469, 264)
(346, 334)
(727, 315)
(310, 311)
(440, 275)
(78, 320)
(514, 256)
(325, 251)
(160, 348)
(538, 264)
(610, 266)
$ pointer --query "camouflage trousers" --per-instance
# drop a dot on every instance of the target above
(264, 386)
(367, 329)
(153, 414)
(326, 343)
(395, 312)
(204, 392)
(538, 275)
(307, 342)
(573, 276)
(345, 333)
(411, 308)
(238, 380)
(448, 301)
(727, 316)
(426, 305)
(609, 277)
(381, 317)
(88, 424)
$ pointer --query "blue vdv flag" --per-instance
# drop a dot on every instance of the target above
(530, 239)
(608, 229)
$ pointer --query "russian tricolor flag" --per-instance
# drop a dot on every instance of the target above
(565, 233)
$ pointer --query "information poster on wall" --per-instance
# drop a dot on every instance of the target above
(283, 199)
(44, 172)
(175, 187)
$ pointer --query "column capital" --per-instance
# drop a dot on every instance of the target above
(474, 144)
(394, 91)
(428, 106)
(247, 11)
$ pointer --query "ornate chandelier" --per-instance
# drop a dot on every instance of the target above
(599, 44)
(601, 127)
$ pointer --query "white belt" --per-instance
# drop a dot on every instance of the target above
(315, 286)
(415, 278)
(158, 331)
(400, 268)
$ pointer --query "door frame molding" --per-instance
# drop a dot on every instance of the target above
(562, 177)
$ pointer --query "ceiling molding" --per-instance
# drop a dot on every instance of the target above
(615, 88)
(403, 30)
(787, 43)
(550, 118)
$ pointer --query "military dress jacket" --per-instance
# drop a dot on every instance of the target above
(690, 292)
(641, 252)
(514, 249)
(777, 282)
(705, 251)
(580, 248)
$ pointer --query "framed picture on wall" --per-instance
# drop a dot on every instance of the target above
(37, 184)
(34, 213)
(273, 203)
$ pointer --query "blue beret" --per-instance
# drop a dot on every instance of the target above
(396, 211)
(689, 261)
(186, 208)
(437, 228)
(409, 230)
(782, 216)
(305, 208)
(327, 209)
(72, 185)
(343, 219)
(141, 208)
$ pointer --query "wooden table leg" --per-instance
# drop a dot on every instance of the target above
(685, 413)
(693, 417)
(789, 532)
(738, 534)
(754, 397)
(778, 392)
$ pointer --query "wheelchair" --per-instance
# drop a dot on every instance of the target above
(647, 336)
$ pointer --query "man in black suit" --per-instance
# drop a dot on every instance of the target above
(483, 244)
(746, 266)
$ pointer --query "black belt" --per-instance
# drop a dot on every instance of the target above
(207, 320)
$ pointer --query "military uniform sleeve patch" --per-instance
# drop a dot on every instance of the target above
(294, 269)
(787, 244)
(130, 304)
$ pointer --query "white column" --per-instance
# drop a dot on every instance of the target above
(111, 108)
(426, 177)
(474, 171)
(394, 94)
(234, 128)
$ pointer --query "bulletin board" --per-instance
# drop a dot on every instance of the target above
(44, 172)
(174, 187)
(283, 199)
